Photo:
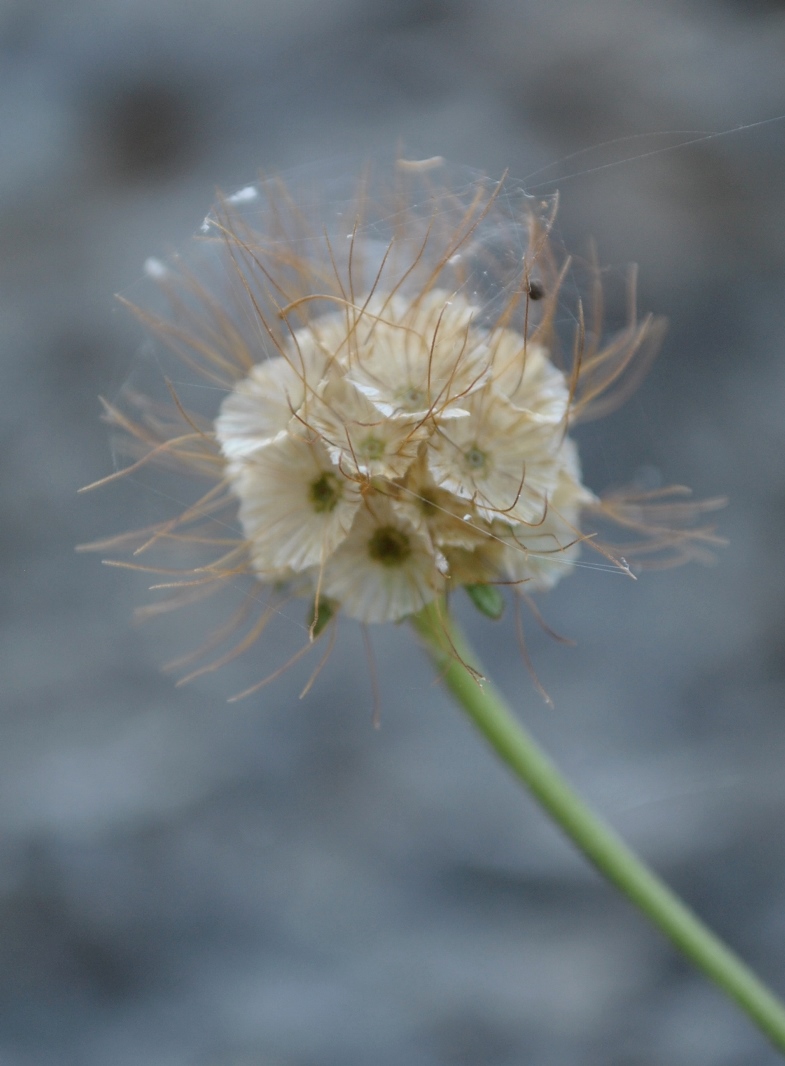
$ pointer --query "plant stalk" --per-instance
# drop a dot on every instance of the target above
(455, 662)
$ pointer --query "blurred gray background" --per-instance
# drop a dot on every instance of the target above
(189, 883)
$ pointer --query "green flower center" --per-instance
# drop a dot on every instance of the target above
(476, 459)
(372, 448)
(389, 546)
(411, 399)
(325, 492)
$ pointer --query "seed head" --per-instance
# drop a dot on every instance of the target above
(395, 407)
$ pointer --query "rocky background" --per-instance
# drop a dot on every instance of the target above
(189, 883)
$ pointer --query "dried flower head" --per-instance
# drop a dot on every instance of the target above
(395, 405)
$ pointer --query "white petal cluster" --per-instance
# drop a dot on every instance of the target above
(395, 450)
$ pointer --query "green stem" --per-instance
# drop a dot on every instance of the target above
(611, 856)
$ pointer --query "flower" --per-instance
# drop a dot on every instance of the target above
(404, 383)
(385, 569)
(296, 507)
(396, 412)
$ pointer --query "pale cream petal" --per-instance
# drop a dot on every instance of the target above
(258, 408)
(359, 438)
(441, 516)
(504, 460)
(419, 356)
(540, 555)
(384, 570)
(263, 404)
(525, 376)
(295, 506)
